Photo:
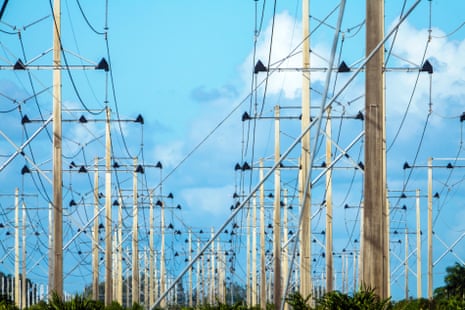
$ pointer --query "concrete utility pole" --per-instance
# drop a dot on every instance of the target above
(254, 251)
(95, 236)
(375, 247)
(277, 214)
(262, 241)
(152, 254)
(135, 239)
(108, 214)
(406, 263)
(191, 293)
(305, 236)
(16, 277)
(418, 235)
(329, 208)
(162, 253)
(248, 277)
(285, 251)
(119, 253)
(56, 263)
(430, 228)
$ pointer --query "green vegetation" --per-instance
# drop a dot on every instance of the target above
(450, 296)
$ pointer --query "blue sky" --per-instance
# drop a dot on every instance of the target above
(186, 66)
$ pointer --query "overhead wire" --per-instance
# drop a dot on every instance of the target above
(67, 67)
(87, 20)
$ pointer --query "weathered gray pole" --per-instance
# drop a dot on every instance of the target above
(375, 246)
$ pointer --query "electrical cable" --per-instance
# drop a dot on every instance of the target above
(87, 20)
(67, 67)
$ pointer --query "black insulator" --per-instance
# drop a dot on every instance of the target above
(246, 117)
(82, 119)
(19, 65)
(246, 166)
(140, 169)
(25, 120)
(343, 68)
(462, 117)
(25, 170)
(139, 119)
(259, 67)
(102, 65)
(427, 67)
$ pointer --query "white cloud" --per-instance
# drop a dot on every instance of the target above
(208, 201)
(446, 57)
(287, 38)
(169, 154)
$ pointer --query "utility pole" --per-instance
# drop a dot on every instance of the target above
(152, 254)
(162, 253)
(419, 288)
(262, 241)
(285, 242)
(24, 293)
(430, 228)
(190, 270)
(212, 281)
(56, 263)
(16, 277)
(329, 208)
(108, 214)
(305, 201)
(375, 254)
(254, 251)
(119, 252)
(95, 237)
(135, 239)
(248, 251)
(198, 276)
(406, 263)
(277, 214)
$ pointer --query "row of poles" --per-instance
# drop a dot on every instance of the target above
(375, 247)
